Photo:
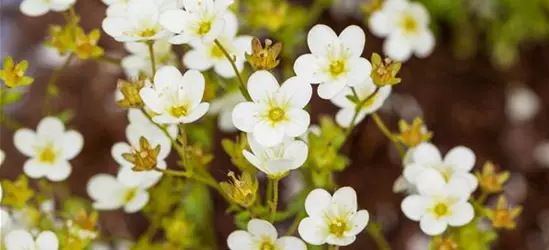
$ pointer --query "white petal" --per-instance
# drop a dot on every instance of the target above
(460, 158)
(382, 95)
(317, 202)
(432, 226)
(340, 241)
(277, 167)
(151, 99)
(262, 229)
(307, 67)
(460, 186)
(330, 89)
(359, 221)
(430, 182)
(462, 213)
(194, 84)
(224, 68)
(424, 44)
(379, 24)
(240, 240)
(412, 172)
(33, 7)
(290, 243)
(312, 231)
(397, 47)
(19, 239)
(319, 38)
(414, 207)
(268, 135)
(196, 113)
(427, 153)
(35, 169)
(50, 127)
(353, 38)
(167, 77)
(106, 189)
(297, 152)
(359, 71)
(181, 39)
(341, 99)
(344, 117)
(116, 26)
(230, 27)
(174, 20)
(138, 202)
(143, 179)
(117, 150)
(298, 122)
(142, 14)
(253, 160)
(262, 85)
(60, 171)
(245, 116)
(296, 92)
(345, 198)
(24, 140)
(72, 144)
(196, 59)
(47, 240)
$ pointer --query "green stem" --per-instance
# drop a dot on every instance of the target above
(295, 224)
(388, 134)
(358, 107)
(190, 175)
(274, 203)
(482, 197)
(375, 232)
(231, 60)
(51, 84)
(269, 193)
(151, 55)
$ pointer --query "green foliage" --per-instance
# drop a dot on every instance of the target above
(234, 150)
(9, 96)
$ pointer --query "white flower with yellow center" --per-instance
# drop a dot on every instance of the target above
(334, 61)
(140, 22)
(456, 164)
(262, 235)
(23, 240)
(439, 203)
(334, 219)
(50, 148)
(201, 20)
(139, 62)
(277, 161)
(174, 97)
(223, 108)
(370, 104)
(41, 7)
(111, 193)
(206, 55)
(406, 26)
(276, 111)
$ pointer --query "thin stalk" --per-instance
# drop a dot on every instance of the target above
(358, 107)
(388, 134)
(375, 232)
(151, 55)
(274, 203)
(242, 85)
(295, 224)
(51, 82)
(189, 175)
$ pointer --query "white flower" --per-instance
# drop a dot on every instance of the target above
(50, 149)
(456, 164)
(41, 7)
(206, 55)
(139, 60)
(277, 160)
(406, 26)
(136, 116)
(223, 107)
(334, 61)
(111, 193)
(140, 22)
(176, 98)
(134, 132)
(201, 20)
(262, 235)
(120, 7)
(364, 91)
(23, 240)
(276, 111)
(522, 104)
(332, 220)
(438, 203)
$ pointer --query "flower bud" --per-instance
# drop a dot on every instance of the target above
(13, 74)
(17, 193)
(144, 157)
(490, 181)
(413, 134)
(130, 91)
(264, 57)
(384, 72)
(242, 190)
(503, 217)
(445, 243)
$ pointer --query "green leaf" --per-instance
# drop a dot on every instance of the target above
(9, 96)
(352, 98)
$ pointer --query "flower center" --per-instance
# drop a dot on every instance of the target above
(276, 114)
(216, 52)
(147, 32)
(267, 245)
(130, 194)
(337, 68)
(179, 111)
(204, 27)
(440, 210)
(409, 24)
(338, 227)
(47, 155)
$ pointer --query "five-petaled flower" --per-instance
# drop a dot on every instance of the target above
(406, 26)
(174, 97)
(13, 74)
(201, 20)
(111, 193)
(439, 203)
(502, 216)
(262, 235)
(20, 239)
(276, 111)
(206, 55)
(332, 219)
(334, 61)
(50, 149)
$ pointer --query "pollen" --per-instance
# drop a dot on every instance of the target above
(409, 24)
(337, 68)
(267, 245)
(204, 28)
(216, 52)
(148, 32)
(337, 227)
(179, 111)
(130, 195)
(47, 155)
(276, 114)
(440, 210)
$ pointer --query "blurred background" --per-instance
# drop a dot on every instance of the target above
(485, 86)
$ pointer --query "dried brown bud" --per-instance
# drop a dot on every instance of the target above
(264, 57)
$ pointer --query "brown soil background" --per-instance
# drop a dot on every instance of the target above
(462, 100)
